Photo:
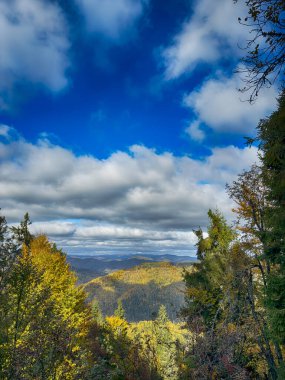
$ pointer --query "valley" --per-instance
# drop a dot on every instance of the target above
(141, 288)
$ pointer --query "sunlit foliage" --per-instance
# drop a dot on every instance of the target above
(44, 317)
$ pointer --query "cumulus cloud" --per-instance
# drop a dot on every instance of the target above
(126, 239)
(136, 198)
(211, 33)
(111, 19)
(195, 132)
(33, 45)
(219, 105)
(104, 238)
(53, 228)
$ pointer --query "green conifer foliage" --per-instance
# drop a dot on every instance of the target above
(21, 233)
(96, 312)
(162, 317)
(120, 311)
(271, 133)
(205, 280)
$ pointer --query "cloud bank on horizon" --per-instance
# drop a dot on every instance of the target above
(142, 196)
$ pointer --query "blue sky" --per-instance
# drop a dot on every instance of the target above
(120, 119)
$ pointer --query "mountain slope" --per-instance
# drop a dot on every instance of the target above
(141, 289)
(89, 267)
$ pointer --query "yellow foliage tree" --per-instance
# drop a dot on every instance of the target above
(46, 319)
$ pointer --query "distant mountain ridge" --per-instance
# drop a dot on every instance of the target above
(142, 289)
(88, 267)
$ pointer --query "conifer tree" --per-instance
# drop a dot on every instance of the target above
(217, 293)
(271, 134)
(166, 349)
(120, 311)
(205, 280)
(96, 311)
(21, 233)
(8, 253)
(162, 317)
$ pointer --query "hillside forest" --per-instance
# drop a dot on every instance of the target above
(142, 289)
(232, 322)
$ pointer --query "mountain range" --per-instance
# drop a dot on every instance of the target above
(88, 267)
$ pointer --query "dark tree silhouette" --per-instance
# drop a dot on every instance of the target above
(264, 59)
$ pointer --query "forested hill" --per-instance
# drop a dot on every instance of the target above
(142, 289)
(89, 267)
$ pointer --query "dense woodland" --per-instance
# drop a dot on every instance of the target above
(141, 289)
(234, 315)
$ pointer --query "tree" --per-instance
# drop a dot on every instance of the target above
(162, 317)
(97, 312)
(264, 63)
(265, 51)
(253, 208)
(21, 233)
(249, 193)
(123, 351)
(14, 279)
(224, 297)
(8, 253)
(120, 311)
(204, 282)
(166, 346)
(271, 137)
(44, 322)
(260, 196)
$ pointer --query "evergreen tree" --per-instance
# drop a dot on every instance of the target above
(120, 311)
(162, 317)
(271, 134)
(205, 280)
(166, 349)
(96, 312)
(220, 303)
(21, 233)
(8, 253)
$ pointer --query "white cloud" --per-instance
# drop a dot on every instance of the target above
(103, 232)
(33, 45)
(219, 105)
(4, 131)
(130, 239)
(212, 33)
(135, 199)
(112, 19)
(195, 132)
(53, 228)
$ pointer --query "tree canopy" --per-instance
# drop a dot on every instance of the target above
(264, 57)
